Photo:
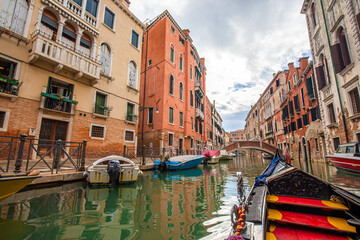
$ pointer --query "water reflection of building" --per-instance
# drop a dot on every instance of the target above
(77, 213)
(178, 208)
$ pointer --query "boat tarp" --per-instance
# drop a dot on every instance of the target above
(261, 179)
(210, 153)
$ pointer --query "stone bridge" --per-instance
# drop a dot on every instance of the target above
(257, 145)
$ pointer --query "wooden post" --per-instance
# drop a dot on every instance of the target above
(20, 154)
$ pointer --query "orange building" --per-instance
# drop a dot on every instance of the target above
(172, 83)
(237, 136)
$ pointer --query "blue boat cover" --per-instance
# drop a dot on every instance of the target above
(261, 179)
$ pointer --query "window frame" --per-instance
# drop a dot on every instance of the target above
(131, 38)
(172, 139)
(172, 85)
(181, 119)
(351, 103)
(106, 105)
(129, 130)
(172, 53)
(97, 125)
(181, 63)
(136, 75)
(152, 116)
(171, 110)
(114, 19)
(4, 127)
(181, 91)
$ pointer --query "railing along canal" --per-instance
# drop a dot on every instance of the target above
(41, 153)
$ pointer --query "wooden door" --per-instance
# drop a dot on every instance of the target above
(51, 130)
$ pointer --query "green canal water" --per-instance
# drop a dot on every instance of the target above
(189, 204)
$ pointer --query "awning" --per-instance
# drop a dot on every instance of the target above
(197, 70)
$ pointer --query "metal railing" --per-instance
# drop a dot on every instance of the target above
(41, 153)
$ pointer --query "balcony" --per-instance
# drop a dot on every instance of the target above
(199, 114)
(101, 111)
(269, 135)
(131, 118)
(64, 57)
(9, 87)
(57, 103)
(199, 90)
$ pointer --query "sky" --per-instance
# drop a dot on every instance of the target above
(243, 42)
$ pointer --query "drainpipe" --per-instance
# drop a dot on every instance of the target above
(336, 80)
(143, 112)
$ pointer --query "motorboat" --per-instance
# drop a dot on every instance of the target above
(287, 203)
(346, 157)
(112, 170)
(178, 162)
(224, 155)
(211, 156)
(10, 183)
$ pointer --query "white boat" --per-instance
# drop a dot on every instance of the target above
(213, 160)
(224, 155)
(112, 170)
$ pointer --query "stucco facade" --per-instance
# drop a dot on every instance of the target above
(70, 71)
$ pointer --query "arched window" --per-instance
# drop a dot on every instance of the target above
(340, 51)
(181, 62)
(132, 75)
(172, 52)
(191, 98)
(181, 91)
(69, 35)
(49, 24)
(313, 14)
(325, 68)
(171, 85)
(85, 44)
(13, 15)
(191, 71)
(105, 58)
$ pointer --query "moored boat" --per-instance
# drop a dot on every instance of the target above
(211, 156)
(10, 183)
(346, 157)
(178, 162)
(224, 155)
(287, 203)
(112, 170)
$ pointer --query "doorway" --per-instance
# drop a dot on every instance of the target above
(51, 130)
(181, 144)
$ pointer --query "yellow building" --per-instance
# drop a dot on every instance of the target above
(69, 70)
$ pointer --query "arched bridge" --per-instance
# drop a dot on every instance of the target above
(257, 145)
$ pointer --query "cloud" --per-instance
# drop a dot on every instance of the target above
(243, 42)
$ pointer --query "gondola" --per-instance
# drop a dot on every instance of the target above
(287, 203)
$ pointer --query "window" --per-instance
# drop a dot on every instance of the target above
(56, 93)
(289, 86)
(135, 39)
(291, 108)
(109, 17)
(313, 15)
(91, 7)
(171, 115)
(271, 90)
(340, 51)
(7, 73)
(196, 125)
(172, 53)
(181, 63)
(85, 44)
(191, 143)
(13, 15)
(150, 62)
(310, 89)
(355, 100)
(315, 113)
(192, 123)
(317, 144)
(277, 83)
(171, 139)
(294, 79)
(97, 131)
(181, 40)
(293, 126)
(130, 112)
(181, 91)
(191, 72)
(132, 75)
(336, 142)
(100, 104)
(181, 119)
(105, 59)
(69, 35)
(172, 29)
(129, 136)
(191, 99)
(200, 128)
(299, 123)
(322, 72)
(302, 97)
(4, 119)
(331, 113)
(171, 85)
(151, 115)
(358, 137)
(296, 103)
(306, 119)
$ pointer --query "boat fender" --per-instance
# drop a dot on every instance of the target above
(239, 221)
(85, 174)
(113, 169)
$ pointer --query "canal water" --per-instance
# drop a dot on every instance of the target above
(189, 204)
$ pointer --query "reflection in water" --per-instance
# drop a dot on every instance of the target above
(188, 204)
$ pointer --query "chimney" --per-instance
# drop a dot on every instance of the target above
(303, 62)
(186, 31)
(290, 65)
